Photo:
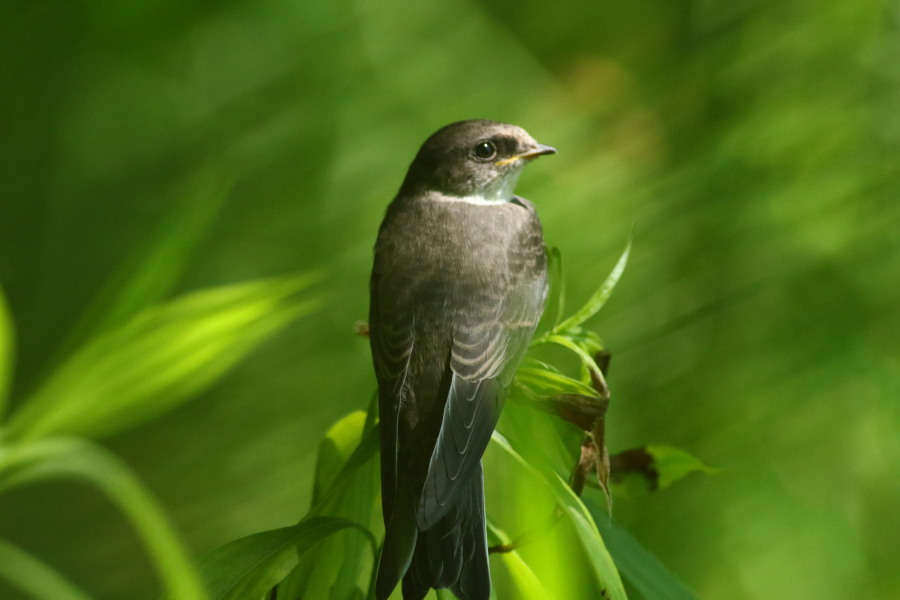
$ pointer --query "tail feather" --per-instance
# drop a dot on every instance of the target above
(400, 540)
(453, 553)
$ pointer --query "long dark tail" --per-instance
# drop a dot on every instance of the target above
(400, 540)
(453, 554)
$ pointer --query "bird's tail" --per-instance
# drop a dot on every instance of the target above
(453, 554)
(400, 541)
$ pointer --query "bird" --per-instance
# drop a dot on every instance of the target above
(458, 285)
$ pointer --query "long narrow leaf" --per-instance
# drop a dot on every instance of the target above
(248, 568)
(150, 274)
(586, 359)
(33, 577)
(528, 586)
(596, 302)
(7, 351)
(598, 557)
(159, 359)
(550, 382)
(339, 567)
(640, 568)
(68, 458)
(557, 285)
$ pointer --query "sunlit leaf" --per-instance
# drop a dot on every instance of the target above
(596, 302)
(527, 585)
(361, 459)
(587, 360)
(248, 568)
(641, 569)
(586, 339)
(71, 458)
(7, 350)
(557, 300)
(149, 275)
(33, 577)
(159, 358)
(340, 566)
(551, 383)
(334, 450)
(598, 557)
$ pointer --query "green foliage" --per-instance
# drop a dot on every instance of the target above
(63, 458)
(754, 144)
(641, 570)
(6, 351)
(156, 360)
(140, 358)
(249, 567)
(32, 576)
(346, 497)
(652, 468)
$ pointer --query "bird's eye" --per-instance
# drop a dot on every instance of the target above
(485, 150)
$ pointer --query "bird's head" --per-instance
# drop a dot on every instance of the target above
(477, 158)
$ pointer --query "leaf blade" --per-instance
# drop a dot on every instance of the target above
(599, 298)
(61, 458)
(527, 583)
(603, 567)
(650, 577)
(159, 359)
(250, 566)
(7, 352)
(35, 578)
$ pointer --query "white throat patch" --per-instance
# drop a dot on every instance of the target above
(478, 200)
(498, 194)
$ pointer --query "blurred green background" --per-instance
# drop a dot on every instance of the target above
(753, 146)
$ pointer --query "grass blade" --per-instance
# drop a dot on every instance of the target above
(340, 566)
(249, 567)
(159, 359)
(552, 383)
(7, 352)
(150, 274)
(596, 302)
(68, 458)
(528, 586)
(35, 578)
(642, 570)
(598, 557)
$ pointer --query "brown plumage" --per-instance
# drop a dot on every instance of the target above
(457, 288)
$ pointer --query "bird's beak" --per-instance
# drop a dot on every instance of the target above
(541, 149)
(532, 153)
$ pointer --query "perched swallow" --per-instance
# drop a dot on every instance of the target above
(457, 289)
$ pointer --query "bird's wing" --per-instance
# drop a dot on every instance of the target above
(494, 329)
(391, 332)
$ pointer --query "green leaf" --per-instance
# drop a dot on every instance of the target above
(596, 302)
(587, 360)
(336, 448)
(557, 298)
(527, 584)
(7, 351)
(248, 568)
(360, 459)
(551, 382)
(150, 274)
(35, 578)
(72, 458)
(643, 571)
(596, 553)
(643, 470)
(339, 567)
(158, 359)
(673, 464)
